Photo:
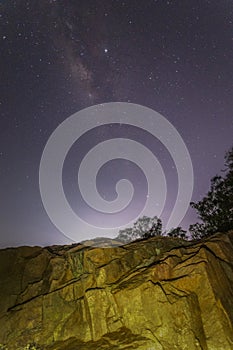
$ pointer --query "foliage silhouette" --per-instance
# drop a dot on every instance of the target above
(216, 208)
(144, 227)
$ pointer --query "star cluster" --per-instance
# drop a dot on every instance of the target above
(58, 57)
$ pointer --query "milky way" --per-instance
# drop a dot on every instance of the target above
(58, 57)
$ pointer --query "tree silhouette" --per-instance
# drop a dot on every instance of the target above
(144, 227)
(177, 232)
(216, 208)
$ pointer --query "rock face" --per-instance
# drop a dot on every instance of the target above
(156, 294)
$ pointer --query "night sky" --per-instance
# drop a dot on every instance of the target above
(58, 57)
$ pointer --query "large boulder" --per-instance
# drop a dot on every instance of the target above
(155, 294)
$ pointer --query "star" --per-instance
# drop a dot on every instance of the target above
(114, 52)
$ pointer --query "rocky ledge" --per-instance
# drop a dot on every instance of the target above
(155, 294)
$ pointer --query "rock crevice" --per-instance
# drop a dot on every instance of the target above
(159, 293)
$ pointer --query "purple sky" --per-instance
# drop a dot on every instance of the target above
(58, 57)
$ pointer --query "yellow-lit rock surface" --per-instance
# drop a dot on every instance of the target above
(156, 294)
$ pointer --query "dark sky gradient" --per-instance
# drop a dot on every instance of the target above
(58, 57)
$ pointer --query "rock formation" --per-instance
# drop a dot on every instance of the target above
(155, 294)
